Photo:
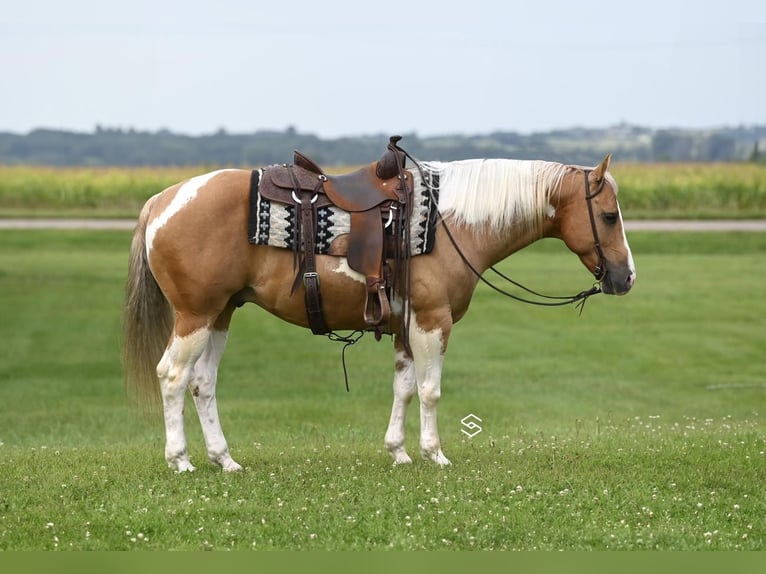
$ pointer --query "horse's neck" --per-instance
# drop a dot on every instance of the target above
(511, 243)
(485, 247)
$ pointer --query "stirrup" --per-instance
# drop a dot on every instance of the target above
(377, 309)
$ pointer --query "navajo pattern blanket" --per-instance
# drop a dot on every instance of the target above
(273, 223)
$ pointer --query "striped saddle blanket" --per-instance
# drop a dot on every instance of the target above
(273, 223)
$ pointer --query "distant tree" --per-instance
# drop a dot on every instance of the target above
(127, 146)
(755, 156)
(717, 147)
(671, 145)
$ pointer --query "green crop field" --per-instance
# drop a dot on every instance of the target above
(693, 190)
(646, 190)
(639, 425)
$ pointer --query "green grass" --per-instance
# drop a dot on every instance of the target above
(639, 425)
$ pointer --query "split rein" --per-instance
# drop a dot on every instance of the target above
(553, 301)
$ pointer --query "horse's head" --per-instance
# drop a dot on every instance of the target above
(589, 221)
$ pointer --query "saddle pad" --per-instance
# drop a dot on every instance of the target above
(272, 223)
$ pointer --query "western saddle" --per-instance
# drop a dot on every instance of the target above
(378, 191)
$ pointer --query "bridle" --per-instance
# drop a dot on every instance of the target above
(599, 271)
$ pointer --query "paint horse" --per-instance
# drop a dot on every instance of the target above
(191, 266)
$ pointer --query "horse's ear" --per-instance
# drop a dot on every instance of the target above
(602, 168)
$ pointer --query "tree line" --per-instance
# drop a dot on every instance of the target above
(584, 146)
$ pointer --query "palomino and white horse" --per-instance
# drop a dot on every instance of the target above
(191, 266)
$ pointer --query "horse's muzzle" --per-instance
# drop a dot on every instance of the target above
(618, 280)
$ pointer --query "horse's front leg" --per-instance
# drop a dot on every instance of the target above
(428, 346)
(404, 389)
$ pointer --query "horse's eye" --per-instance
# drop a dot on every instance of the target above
(609, 218)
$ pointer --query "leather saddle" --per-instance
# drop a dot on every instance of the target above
(380, 186)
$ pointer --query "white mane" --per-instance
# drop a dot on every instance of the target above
(496, 192)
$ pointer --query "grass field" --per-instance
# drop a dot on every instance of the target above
(646, 190)
(639, 425)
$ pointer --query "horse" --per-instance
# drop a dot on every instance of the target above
(191, 266)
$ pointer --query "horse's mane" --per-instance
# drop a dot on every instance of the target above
(496, 192)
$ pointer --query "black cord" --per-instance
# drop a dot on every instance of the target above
(349, 340)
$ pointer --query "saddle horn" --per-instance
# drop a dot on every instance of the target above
(392, 162)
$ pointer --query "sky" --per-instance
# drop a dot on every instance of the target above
(349, 67)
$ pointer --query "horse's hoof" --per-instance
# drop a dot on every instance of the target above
(182, 466)
(399, 455)
(402, 458)
(442, 460)
(231, 466)
(437, 457)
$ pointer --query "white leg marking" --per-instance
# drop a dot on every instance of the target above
(404, 390)
(185, 194)
(429, 358)
(174, 371)
(202, 385)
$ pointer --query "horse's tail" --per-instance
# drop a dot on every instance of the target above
(147, 322)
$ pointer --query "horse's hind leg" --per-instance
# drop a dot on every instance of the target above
(202, 387)
(175, 371)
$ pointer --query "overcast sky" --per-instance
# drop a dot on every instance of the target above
(350, 67)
